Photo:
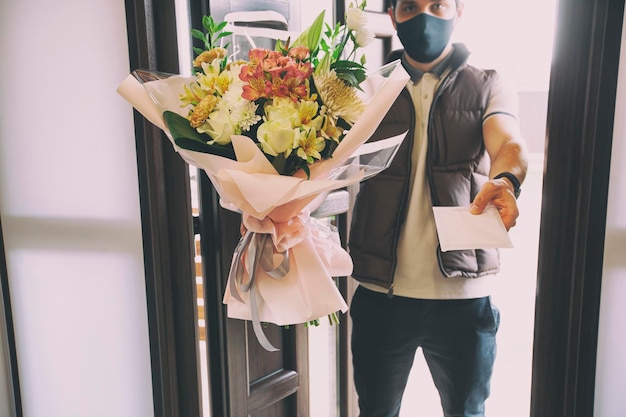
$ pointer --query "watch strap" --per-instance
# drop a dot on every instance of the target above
(514, 181)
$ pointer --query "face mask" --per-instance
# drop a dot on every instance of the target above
(424, 37)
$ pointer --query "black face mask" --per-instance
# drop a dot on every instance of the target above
(424, 37)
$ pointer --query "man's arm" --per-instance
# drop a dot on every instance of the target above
(507, 152)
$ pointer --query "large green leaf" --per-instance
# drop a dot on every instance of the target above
(310, 37)
(189, 138)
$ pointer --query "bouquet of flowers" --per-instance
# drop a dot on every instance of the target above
(275, 133)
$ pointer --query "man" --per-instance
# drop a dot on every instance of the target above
(463, 148)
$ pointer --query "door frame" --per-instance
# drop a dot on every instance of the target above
(167, 225)
(7, 334)
(581, 111)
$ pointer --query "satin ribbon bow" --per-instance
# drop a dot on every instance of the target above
(259, 252)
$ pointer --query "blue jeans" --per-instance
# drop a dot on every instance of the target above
(457, 337)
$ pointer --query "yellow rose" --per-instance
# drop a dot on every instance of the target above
(284, 110)
(277, 136)
(219, 127)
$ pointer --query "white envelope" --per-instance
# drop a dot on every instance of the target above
(458, 229)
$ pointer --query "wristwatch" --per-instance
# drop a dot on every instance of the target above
(513, 179)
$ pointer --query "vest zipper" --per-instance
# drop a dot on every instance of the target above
(404, 204)
(434, 199)
(390, 291)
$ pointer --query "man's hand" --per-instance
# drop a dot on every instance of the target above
(498, 192)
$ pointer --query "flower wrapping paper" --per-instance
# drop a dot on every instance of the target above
(278, 206)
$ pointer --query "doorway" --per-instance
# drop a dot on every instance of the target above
(542, 7)
(515, 292)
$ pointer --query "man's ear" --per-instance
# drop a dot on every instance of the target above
(390, 12)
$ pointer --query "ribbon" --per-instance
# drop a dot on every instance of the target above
(259, 251)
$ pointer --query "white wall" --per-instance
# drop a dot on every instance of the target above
(611, 365)
(70, 210)
(515, 37)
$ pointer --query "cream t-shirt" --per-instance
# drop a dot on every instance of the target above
(417, 273)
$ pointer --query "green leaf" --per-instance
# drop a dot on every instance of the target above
(223, 34)
(279, 162)
(352, 77)
(324, 46)
(315, 32)
(348, 78)
(360, 75)
(207, 21)
(197, 34)
(220, 26)
(324, 65)
(189, 138)
(310, 37)
(347, 64)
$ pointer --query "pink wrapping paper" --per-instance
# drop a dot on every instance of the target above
(307, 291)
(279, 206)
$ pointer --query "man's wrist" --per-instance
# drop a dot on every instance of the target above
(513, 180)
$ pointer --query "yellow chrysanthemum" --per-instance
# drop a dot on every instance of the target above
(202, 111)
(340, 100)
(209, 56)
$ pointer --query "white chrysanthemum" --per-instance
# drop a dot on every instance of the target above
(244, 115)
(232, 97)
(242, 112)
(364, 37)
(340, 100)
(356, 18)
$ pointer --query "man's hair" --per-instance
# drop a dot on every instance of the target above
(392, 3)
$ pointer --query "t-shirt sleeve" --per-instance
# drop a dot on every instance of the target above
(504, 99)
